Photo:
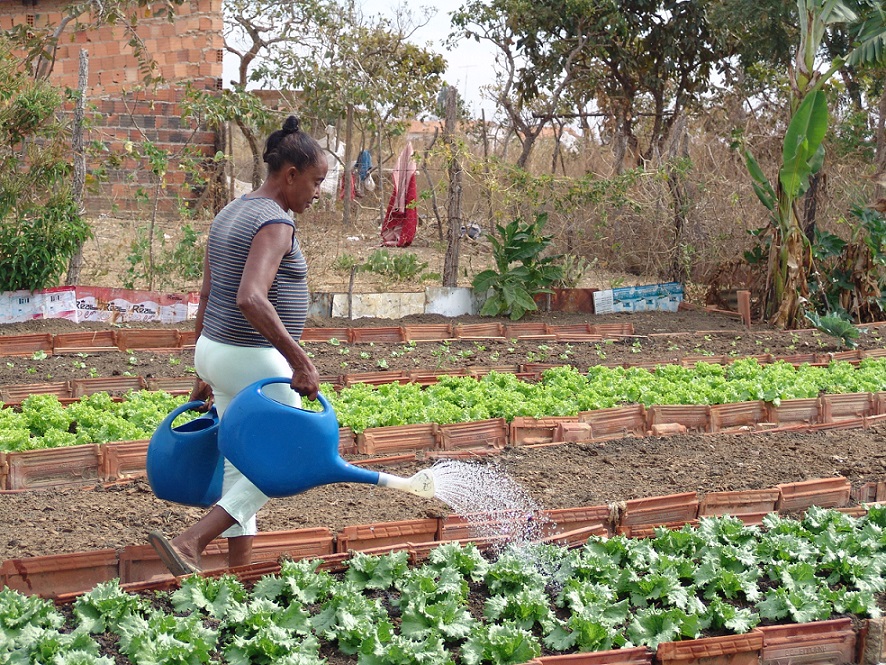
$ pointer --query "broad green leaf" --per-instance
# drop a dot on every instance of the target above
(802, 142)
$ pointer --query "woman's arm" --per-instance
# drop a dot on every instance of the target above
(269, 246)
(201, 390)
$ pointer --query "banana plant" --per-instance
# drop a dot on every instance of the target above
(790, 260)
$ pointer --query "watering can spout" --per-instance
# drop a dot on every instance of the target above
(421, 484)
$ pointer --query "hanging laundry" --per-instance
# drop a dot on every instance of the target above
(401, 217)
(364, 164)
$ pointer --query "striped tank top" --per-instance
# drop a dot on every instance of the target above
(230, 237)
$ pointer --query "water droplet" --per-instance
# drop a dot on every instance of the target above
(495, 507)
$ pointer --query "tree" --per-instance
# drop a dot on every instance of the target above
(254, 32)
(364, 70)
(536, 64)
(40, 222)
(790, 261)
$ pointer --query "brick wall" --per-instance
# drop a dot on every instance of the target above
(187, 49)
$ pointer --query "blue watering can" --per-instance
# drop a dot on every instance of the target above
(285, 450)
(184, 464)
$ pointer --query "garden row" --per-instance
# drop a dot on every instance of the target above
(56, 575)
(70, 391)
(460, 415)
(163, 339)
(714, 592)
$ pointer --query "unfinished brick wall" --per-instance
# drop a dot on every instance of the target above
(186, 50)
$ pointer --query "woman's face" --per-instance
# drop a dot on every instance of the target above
(303, 187)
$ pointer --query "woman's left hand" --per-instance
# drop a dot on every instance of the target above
(201, 392)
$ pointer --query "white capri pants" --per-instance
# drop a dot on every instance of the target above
(228, 369)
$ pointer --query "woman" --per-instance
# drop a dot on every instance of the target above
(253, 306)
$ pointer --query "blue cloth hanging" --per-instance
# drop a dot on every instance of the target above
(364, 164)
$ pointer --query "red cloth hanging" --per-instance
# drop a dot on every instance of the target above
(398, 229)
(401, 217)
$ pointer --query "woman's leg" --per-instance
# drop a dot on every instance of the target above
(229, 369)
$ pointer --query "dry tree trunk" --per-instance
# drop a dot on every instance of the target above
(79, 184)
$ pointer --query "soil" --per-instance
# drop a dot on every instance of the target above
(569, 475)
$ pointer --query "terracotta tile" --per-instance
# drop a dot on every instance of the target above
(852, 356)
(124, 459)
(524, 430)
(93, 341)
(50, 576)
(574, 433)
(871, 492)
(568, 519)
(478, 331)
(430, 377)
(612, 330)
(25, 345)
(381, 334)
(799, 358)
(347, 441)
(845, 407)
(691, 361)
(616, 422)
(747, 502)
(13, 395)
(825, 493)
(465, 528)
(631, 656)
(672, 508)
(576, 537)
(430, 332)
(110, 384)
(740, 414)
(324, 334)
(648, 530)
(397, 439)
(53, 467)
(537, 331)
(815, 643)
(140, 563)
(174, 385)
(480, 434)
(139, 339)
(188, 339)
(368, 536)
(538, 368)
(796, 411)
(667, 429)
(375, 378)
(479, 371)
(727, 650)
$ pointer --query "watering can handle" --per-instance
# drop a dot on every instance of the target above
(282, 379)
(184, 407)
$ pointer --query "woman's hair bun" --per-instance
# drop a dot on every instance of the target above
(291, 125)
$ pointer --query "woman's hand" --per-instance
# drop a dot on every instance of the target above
(201, 392)
(305, 379)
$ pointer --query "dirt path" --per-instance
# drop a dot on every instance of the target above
(563, 476)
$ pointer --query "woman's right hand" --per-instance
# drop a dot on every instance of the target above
(306, 380)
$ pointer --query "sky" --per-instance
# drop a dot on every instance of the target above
(469, 64)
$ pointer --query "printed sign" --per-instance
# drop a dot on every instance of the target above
(648, 298)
